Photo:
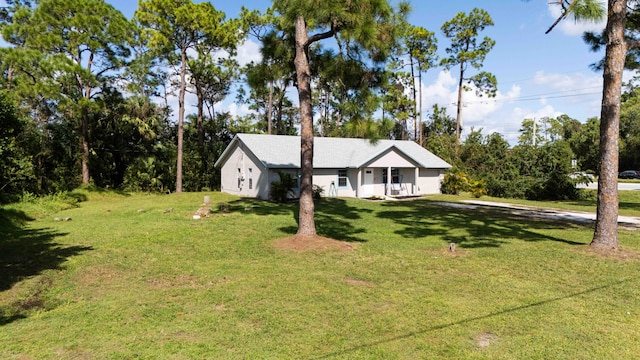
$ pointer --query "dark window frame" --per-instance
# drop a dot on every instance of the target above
(343, 178)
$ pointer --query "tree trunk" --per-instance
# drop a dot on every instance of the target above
(200, 120)
(9, 77)
(85, 127)
(419, 104)
(415, 103)
(270, 108)
(459, 108)
(183, 89)
(280, 125)
(306, 224)
(200, 129)
(325, 125)
(85, 147)
(606, 230)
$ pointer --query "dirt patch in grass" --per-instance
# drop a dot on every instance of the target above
(619, 254)
(485, 339)
(99, 275)
(36, 299)
(299, 243)
(357, 282)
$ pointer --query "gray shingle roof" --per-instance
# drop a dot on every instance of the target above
(281, 151)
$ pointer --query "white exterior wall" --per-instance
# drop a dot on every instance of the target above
(391, 159)
(237, 182)
(324, 178)
(429, 181)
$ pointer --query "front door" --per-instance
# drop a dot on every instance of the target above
(367, 183)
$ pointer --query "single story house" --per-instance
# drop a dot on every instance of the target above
(341, 166)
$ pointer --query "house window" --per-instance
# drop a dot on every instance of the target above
(250, 178)
(395, 176)
(342, 178)
(239, 178)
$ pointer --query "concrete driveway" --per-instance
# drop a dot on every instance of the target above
(628, 222)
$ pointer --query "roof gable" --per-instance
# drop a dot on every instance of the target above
(391, 157)
(283, 151)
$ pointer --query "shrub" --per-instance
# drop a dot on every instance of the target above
(478, 188)
(282, 190)
(317, 192)
(454, 182)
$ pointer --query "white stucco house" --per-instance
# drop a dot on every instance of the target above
(343, 167)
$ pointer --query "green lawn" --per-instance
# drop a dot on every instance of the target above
(124, 279)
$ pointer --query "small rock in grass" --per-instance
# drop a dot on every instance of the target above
(196, 217)
(67, 219)
(57, 219)
(203, 212)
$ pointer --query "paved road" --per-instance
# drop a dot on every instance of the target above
(621, 186)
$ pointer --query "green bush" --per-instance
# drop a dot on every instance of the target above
(282, 190)
(478, 188)
(317, 192)
(454, 182)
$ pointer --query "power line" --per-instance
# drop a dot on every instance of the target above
(531, 98)
(562, 92)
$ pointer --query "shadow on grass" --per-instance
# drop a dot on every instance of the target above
(340, 219)
(482, 226)
(334, 217)
(343, 353)
(27, 252)
(254, 206)
(626, 206)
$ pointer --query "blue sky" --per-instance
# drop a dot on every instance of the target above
(538, 75)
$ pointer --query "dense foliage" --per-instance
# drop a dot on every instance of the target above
(534, 169)
(85, 98)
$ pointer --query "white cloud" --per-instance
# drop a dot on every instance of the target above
(575, 28)
(575, 92)
(439, 92)
(489, 114)
(569, 82)
(477, 110)
(234, 109)
(247, 52)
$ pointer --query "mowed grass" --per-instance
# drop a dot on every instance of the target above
(127, 279)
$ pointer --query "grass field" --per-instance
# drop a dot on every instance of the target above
(125, 278)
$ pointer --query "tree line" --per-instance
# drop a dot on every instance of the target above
(85, 92)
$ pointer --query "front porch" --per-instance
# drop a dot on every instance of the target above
(375, 181)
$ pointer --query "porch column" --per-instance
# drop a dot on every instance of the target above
(358, 182)
(415, 181)
(388, 181)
